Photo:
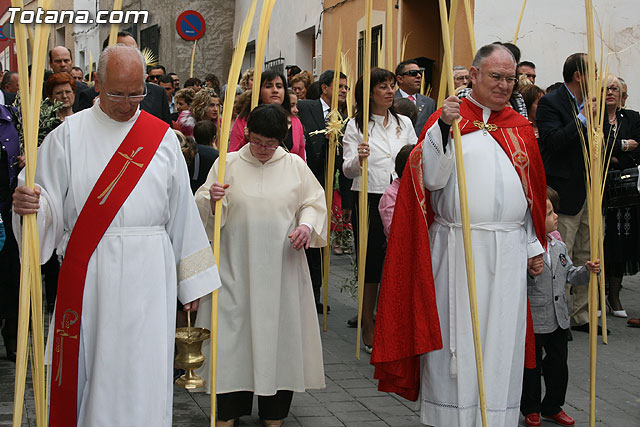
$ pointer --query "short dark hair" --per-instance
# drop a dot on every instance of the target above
(204, 132)
(313, 91)
(6, 79)
(515, 50)
(192, 81)
(294, 69)
(77, 68)
(527, 64)
(407, 108)
(326, 78)
(105, 43)
(554, 86)
(269, 120)
(400, 67)
(158, 67)
(575, 62)
(402, 157)
(166, 78)
(554, 198)
(51, 53)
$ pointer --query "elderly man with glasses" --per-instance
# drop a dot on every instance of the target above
(409, 75)
(113, 197)
(433, 345)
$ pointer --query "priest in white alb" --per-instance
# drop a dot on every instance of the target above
(506, 195)
(113, 198)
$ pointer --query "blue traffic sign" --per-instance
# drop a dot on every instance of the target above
(190, 25)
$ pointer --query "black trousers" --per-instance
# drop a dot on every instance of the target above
(553, 367)
(314, 260)
(9, 285)
(239, 403)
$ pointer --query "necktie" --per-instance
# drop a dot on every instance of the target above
(412, 98)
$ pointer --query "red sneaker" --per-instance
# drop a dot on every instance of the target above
(561, 418)
(532, 420)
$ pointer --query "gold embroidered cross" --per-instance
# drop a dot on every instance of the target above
(105, 194)
(485, 126)
(69, 318)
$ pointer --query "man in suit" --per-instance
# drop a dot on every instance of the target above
(408, 77)
(9, 86)
(60, 62)
(155, 103)
(561, 149)
(313, 115)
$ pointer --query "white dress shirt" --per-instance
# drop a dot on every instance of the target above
(384, 143)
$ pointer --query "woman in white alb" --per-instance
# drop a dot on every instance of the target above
(388, 133)
(268, 333)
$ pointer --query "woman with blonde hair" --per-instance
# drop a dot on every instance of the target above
(622, 218)
(300, 84)
(246, 81)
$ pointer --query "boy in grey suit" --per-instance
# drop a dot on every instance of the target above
(550, 323)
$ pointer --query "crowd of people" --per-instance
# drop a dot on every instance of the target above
(133, 131)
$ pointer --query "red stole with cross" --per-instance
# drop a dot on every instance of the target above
(407, 323)
(113, 187)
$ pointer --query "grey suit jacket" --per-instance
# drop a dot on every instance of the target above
(426, 107)
(547, 291)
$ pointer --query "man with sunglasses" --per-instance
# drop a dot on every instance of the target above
(409, 76)
(113, 196)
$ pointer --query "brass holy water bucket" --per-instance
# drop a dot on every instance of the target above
(189, 356)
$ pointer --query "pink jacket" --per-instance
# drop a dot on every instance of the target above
(237, 139)
(387, 205)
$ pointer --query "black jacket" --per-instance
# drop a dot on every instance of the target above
(561, 148)
(628, 127)
(316, 147)
(199, 169)
(155, 103)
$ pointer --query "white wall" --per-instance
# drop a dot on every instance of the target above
(87, 37)
(552, 30)
(289, 18)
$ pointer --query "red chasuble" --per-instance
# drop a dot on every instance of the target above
(407, 323)
(113, 187)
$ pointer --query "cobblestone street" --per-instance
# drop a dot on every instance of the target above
(351, 397)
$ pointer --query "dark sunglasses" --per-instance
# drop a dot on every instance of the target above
(412, 73)
(153, 77)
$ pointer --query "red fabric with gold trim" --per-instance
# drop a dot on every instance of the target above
(407, 323)
(121, 174)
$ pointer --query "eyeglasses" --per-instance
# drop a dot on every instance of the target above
(497, 78)
(614, 89)
(530, 75)
(269, 147)
(462, 78)
(412, 73)
(135, 99)
(153, 77)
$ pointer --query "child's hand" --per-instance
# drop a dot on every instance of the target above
(594, 266)
(535, 265)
